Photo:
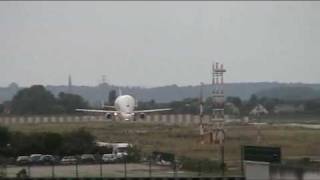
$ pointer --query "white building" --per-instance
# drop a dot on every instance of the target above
(259, 110)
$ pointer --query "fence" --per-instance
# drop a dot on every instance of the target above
(182, 119)
(116, 170)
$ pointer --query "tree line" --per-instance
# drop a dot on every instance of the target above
(14, 144)
(243, 107)
(77, 142)
(38, 100)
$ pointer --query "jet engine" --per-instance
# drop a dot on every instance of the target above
(142, 115)
(108, 115)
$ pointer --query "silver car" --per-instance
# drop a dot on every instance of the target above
(109, 158)
(47, 159)
(69, 160)
(23, 160)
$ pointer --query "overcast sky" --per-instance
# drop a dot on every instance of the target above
(158, 43)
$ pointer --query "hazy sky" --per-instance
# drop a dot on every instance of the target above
(158, 43)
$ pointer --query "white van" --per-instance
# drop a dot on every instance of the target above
(120, 149)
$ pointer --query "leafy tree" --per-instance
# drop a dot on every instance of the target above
(69, 102)
(38, 100)
(205, 165)
(235, 100)
(253, 100)
(4, 136)
(189, 105)
(1, 108)
(112, 97)
(47, 142)
(313, 106)
(134, 154)
(269, 103)
(247, 107)
(52, 142)
(25, 144)
(75, 142)
(33, 100)
(78, 142)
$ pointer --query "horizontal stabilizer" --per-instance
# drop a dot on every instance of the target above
(152, 110)
(111, 107)
(95, 110)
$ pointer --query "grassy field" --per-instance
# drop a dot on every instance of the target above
(291, 118)
(185, 141)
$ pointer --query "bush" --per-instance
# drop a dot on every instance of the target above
(134, 154)
(4, 136)
(75, 142)
(78, 142)
(203, 165)
(46, 142)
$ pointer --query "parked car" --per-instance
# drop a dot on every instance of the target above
(109, 158)
(69, 160)
(35, 158)
(47, 159)
(87, 158)
(23, 160)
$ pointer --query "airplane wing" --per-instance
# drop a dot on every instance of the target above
(152, 110)
(111, 107)
(95, 110)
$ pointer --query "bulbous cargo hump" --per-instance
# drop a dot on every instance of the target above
(125, 103)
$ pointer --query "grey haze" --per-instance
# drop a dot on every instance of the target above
(158, 43)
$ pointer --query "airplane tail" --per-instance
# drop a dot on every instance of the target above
(102, 104)
(119, 92)
(135, 101)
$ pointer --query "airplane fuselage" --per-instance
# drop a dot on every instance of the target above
(125, 105)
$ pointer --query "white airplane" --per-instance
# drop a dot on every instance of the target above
(124, 106)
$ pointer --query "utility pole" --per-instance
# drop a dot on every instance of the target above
(104, 79)
(201, 111)
(69, 84)
(103, 90)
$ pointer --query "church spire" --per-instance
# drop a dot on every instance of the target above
(69, 84)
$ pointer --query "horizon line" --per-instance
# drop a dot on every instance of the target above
(149, 87)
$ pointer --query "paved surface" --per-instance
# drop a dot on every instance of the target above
(153, 118)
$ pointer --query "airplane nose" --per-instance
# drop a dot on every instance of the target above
(127, 116)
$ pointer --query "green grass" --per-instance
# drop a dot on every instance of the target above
(291, 118)
(184, 140)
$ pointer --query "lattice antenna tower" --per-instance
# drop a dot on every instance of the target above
(103, 79)
(218, 92)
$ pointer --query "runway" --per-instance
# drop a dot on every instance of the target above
(155, 118)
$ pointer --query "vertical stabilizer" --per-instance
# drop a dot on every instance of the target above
(135, 101)
(119, 92)
(102, 104)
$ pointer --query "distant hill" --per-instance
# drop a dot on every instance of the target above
(94, 94)
(290, 93)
